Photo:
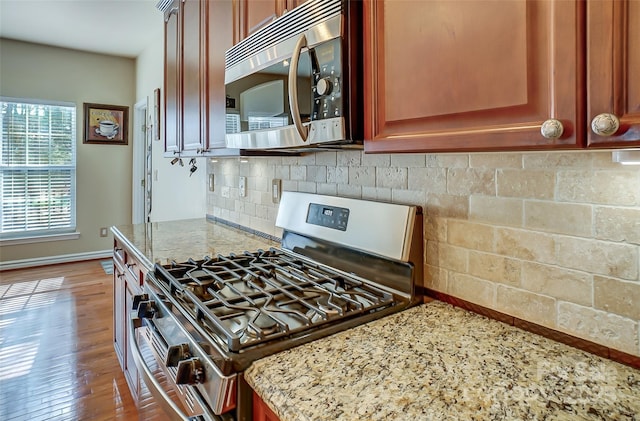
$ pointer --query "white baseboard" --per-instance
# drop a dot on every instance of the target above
(52, 260)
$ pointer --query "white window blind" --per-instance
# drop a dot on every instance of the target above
(38, 168)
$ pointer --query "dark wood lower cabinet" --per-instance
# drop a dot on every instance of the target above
(261, 412)
(128, 277)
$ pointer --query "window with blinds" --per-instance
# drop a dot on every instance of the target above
(38, 168)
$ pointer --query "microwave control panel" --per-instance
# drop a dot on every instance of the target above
(327, 81)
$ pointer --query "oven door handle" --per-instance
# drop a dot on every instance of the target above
(293, 88)
(172, 410)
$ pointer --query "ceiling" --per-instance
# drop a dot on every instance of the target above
(115, 27)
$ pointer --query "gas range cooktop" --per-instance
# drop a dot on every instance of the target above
(342, 262)
(255, 297)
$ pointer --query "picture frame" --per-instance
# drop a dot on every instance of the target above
(106, 124)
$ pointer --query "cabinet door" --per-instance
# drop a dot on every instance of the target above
(194, 75)
(471, 75)
(129, 291)
(220, 40)
(119, 328)
(261, 412)
(292, 4)
(254, 14)
(613, 69)
(171, 78)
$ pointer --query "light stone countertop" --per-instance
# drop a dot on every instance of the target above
(162, 242)
(438, 362)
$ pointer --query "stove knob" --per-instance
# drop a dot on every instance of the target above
(177, 353)
(146, 309)
(137, 299)
(190, 371)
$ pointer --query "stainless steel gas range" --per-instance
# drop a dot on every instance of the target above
(202, 322)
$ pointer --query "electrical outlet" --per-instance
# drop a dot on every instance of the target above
(104, 232)
(276, 190)
(243, 186)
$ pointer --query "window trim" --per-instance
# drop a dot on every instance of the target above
(14, 241)
(53, 234)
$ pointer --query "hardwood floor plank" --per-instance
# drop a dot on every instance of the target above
(57, 360)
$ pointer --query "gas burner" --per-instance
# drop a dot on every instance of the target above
(332, 305)
(202, 291)
(254, 280)
(262, 326)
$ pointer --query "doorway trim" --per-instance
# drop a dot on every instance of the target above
(138, 213)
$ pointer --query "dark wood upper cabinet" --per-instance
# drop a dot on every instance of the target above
(465, 76)
(197, 34)
(172, 76)
(613, 72)
(194, 80)
(252, 15)
(220, 35)
(185, 81)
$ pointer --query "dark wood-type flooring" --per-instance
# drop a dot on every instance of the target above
(57, 360)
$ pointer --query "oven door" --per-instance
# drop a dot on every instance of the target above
(173, 364)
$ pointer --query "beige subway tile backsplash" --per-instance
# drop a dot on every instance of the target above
(617, 296)
(433, 180)
(497, 210)
(617, 224)
(598, 257)
(494, 268)
(362, 176)
(599, 326)
(468, 181)
(470, 235)
(392, 177)
(446, 205)
(561, 283)
(549, 237)
(526, 305)
(495, 160)
(528, 184)
(526, 245)
(599, 187)
(472, 289)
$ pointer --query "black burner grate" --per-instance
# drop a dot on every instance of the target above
(261, 296)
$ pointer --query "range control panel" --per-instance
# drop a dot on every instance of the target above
(328, 216)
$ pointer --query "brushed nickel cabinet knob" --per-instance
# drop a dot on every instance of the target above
(552, 129)
(605, 124)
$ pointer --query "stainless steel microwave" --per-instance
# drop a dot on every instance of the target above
(296, 83)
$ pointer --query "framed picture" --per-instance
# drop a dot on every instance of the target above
(106, 124)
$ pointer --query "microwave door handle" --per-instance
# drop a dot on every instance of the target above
(293, 88)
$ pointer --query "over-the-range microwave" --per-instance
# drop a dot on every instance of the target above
(297, 82)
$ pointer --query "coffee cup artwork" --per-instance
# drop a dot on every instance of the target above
(106, 124)
(107, 128)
